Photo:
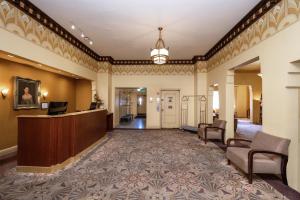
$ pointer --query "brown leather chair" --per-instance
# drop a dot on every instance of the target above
(266, 154)
(212, 131)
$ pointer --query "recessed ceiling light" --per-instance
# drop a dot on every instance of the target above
(91, 42)
(73, 27)
(11, 56)
(82, 35)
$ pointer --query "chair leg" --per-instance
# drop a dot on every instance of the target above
(250, 178)
(228, 162)
(223, 138)
(250, 170)
(283, 170)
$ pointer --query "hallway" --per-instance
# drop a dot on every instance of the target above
(137, 123)
(247, 129)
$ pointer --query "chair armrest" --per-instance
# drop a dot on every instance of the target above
(253, 152)
(239, 140)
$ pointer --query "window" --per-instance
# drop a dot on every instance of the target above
(216, 102)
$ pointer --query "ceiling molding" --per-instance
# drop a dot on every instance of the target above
(31, 10)
(254, 15)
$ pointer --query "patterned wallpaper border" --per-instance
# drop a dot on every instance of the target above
(278, 18)
(151, 70)
(19, 23)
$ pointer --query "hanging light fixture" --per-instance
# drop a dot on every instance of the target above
(160, 54)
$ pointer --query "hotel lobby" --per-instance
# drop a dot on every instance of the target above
(161, 99)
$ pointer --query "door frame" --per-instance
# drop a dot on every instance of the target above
(179, 105)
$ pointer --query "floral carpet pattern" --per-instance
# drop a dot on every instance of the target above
(138, 165)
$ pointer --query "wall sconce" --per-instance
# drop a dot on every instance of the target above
(151, 99)
(4, 92)
(260, 75)
(44, 94)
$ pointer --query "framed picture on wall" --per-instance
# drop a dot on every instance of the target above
(27, 93)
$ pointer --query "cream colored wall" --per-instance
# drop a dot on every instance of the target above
(103, 87)
(279, 102)
(154, 85)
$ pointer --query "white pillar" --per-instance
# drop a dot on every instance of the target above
(230, 104)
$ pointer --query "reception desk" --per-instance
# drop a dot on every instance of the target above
(48, 143)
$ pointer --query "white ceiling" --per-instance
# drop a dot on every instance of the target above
(127, 29)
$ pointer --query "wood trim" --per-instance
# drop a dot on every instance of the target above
(8, 151)
(255, 14)
(60, 166)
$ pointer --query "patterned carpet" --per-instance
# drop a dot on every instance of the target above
(137, 165)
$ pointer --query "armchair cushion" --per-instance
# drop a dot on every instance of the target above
(261, 162)
(264, 141)
(211, 133)
(219, 124)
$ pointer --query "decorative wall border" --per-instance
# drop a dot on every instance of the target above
(34, 12)
(152, 70)
(17, 22)
(278, 18)
(255, 14)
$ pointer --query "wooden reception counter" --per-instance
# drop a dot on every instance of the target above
(48, 143)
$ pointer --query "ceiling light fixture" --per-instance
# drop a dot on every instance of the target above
(160, 54)
(81, 33)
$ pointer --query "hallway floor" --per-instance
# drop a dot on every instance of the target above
(247, 129)
(168, 164)
(137, 123)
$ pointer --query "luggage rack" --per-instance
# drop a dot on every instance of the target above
(199, 103)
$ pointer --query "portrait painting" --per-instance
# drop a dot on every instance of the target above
(27, 93)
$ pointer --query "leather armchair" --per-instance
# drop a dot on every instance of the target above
(212, 131)
(266, 154)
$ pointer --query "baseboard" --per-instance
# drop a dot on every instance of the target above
(8, 152)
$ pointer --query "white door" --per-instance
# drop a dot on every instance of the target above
(170, 109)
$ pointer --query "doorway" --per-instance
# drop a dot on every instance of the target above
(170, 108)
(131, 106)
(248, 100)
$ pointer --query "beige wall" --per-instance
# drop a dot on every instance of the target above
(83, 94)
(242, 98)
(154, 85)
(279, 102)
(60, 88)
(255, 82)
(250, 79)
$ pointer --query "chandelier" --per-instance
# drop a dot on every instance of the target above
(160, 54)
